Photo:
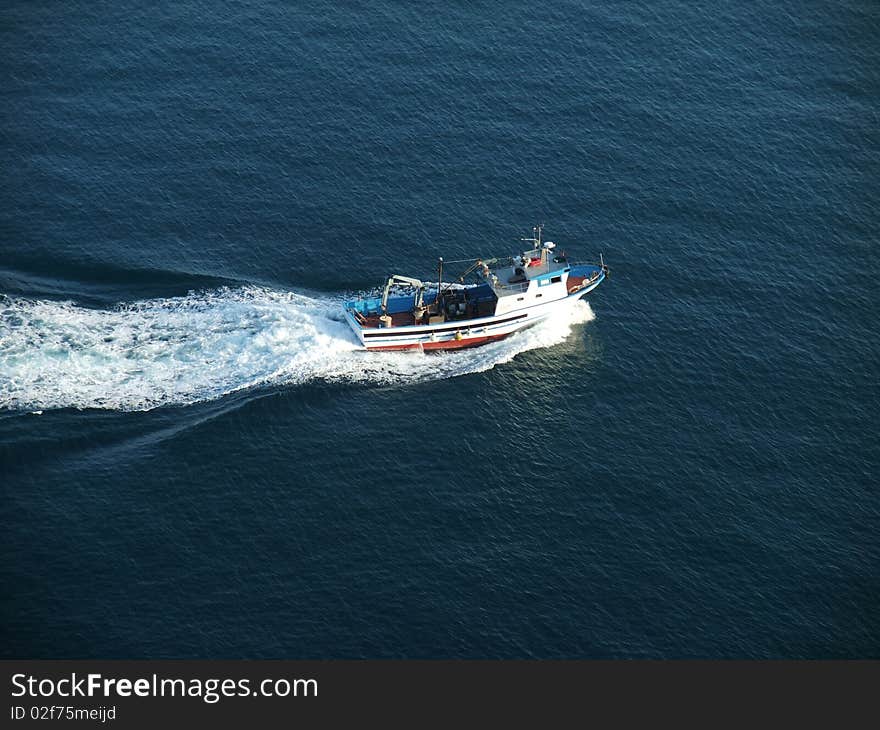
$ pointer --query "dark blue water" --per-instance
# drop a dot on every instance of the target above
(196, 463)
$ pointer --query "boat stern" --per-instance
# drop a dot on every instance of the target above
(355, 314)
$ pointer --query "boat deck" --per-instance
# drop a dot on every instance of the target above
(575, 282)
(475, 310)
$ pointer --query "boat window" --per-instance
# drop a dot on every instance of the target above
(538, 295)
(555, 279)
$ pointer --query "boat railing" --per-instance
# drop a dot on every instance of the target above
(514, 288)
(599, 268)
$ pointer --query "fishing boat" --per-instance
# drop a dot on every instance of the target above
(490, 300)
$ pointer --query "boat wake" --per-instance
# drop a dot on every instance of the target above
(183, 350)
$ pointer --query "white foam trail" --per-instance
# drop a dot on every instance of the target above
(202, 346)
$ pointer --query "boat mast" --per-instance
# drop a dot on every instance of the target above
(536, 239)
(439, 281)
(538, 242)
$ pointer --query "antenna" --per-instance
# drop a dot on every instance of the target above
(536, 235)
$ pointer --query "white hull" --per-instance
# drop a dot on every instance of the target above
(468, 333)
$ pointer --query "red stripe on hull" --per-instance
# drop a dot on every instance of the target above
(444, 345)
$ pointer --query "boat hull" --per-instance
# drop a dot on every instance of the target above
(448, 345)
(467, 333)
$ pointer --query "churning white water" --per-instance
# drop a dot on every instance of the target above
(182, 350)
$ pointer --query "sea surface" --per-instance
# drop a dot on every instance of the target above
(197, 462)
